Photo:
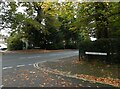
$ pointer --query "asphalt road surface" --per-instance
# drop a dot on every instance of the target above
(15, 59)
(18, 71)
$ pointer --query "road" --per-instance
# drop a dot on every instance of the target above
(18, 71)
(15, 59)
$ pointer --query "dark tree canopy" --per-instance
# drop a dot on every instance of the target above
(55, 25)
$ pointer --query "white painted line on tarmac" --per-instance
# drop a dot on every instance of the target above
(7, 67)
(1, 86)
(36, 65)
(30, 64)
(20, 65)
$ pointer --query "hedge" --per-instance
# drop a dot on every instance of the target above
(111, 46)
(15, 43)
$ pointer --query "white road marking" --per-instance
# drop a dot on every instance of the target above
(7, 67)
(20, 65)
(1, 86)
(36, 65)
(4, 68)
(30, 64)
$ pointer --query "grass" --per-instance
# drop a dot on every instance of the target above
(94, 68)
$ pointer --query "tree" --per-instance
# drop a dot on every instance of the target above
(15, 42)
(56, 25)
(98, 18)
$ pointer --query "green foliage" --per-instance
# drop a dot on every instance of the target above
(47, 25)
(100, 19)
(15, 43)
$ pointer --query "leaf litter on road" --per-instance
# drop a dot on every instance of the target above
(43, 77)
(104, 80)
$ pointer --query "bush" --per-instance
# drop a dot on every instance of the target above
(110, 46)
(14, 43)
(55, 46)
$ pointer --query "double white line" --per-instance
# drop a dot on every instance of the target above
(36, 65)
